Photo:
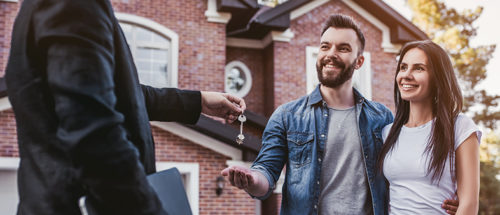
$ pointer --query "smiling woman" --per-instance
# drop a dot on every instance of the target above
(431, 150)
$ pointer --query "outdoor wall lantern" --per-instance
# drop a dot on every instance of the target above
(220, 182)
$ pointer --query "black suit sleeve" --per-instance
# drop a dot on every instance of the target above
(170, 104)
(76, 36)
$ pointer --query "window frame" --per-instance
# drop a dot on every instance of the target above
(162, 31)
(192, 173)
(10, 164)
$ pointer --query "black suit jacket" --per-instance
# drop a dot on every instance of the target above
(82, 116)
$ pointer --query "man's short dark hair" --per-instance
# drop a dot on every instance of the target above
(343, 21)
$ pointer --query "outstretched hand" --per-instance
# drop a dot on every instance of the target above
(450, 205)
(240, 177)
(223, 105)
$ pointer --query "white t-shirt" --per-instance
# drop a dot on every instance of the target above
(411, 190)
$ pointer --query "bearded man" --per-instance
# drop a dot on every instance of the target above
(329, 140)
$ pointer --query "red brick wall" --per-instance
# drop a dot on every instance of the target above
(202, 44)
(8, 12)
(253, 59)
(289, 71)
(8, 135)
(269, 80)
(173, 148)
(290, 58)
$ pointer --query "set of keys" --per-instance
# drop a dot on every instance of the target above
(239, 139)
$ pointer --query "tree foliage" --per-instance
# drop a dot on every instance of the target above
(453, 30)
(489, 195)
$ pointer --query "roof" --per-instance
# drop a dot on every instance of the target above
(252, 21)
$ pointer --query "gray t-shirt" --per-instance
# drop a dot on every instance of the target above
(344, 185)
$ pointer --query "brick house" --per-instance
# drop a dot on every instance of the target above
(264, 54)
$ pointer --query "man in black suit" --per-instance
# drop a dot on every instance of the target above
(82, 116)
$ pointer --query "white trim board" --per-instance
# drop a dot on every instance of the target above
(214, 16)
(200, 139)
(281, 36)
(5, 104)
(386, 33)
(174, 39)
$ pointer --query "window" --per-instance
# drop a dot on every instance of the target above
(238, 79)
(361, 80)
(190, 178)
(9, 197)
(154, 48)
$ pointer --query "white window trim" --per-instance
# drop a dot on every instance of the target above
(10, 0)
(156, 27)
(311, 68)
(192, 170)
(364, 77)
(363, 74)
(9, 166)
(246, 88)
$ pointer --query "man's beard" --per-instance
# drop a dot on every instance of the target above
(344, 75)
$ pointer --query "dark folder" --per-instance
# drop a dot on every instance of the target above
(169, 188)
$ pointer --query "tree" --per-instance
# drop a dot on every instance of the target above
(489, 194)
(453, 30)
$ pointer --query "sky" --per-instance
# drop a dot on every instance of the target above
(488, 33)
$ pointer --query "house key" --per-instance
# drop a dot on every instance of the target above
(241, 137)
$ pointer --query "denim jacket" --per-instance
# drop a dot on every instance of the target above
(296, 134)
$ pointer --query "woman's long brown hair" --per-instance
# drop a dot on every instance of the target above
(446, 105)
